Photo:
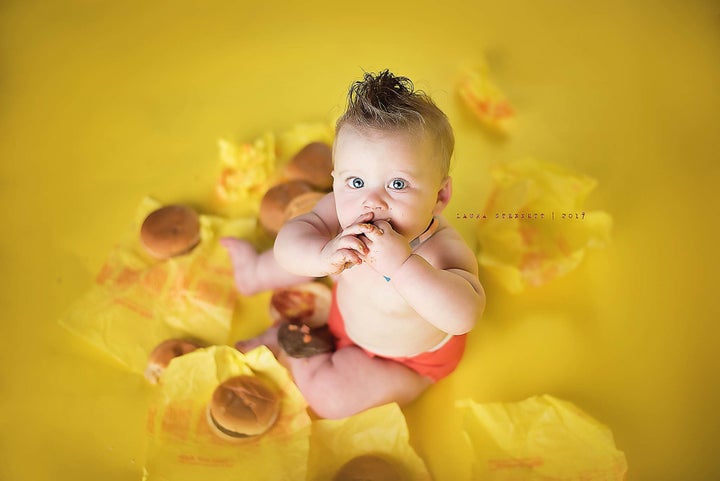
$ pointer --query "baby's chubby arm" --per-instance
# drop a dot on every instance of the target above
(440, 281)
(314, 244)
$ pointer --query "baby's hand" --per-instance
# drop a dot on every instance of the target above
(346, 249)
(388, 250)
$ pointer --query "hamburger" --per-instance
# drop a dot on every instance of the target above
(302, 204)
(241, 407)
(276, 200)
(369, 467)
(170, 231)
(308, 303)
(313, 164)
(163, 353)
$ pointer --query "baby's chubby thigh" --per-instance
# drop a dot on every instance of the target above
(348, 381)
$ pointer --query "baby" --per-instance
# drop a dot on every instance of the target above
(406, 284)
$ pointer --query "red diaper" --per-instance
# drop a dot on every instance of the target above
(432, 364)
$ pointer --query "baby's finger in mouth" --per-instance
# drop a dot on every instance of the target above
(359, 229)
(366, 217)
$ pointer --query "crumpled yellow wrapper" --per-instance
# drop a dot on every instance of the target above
(381, 431)
(485, 99)
(181, 445)
(246, 172)
(539, 439)
(536, 227)
(138, 301)
(249, 169)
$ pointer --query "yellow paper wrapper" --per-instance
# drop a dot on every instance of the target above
(247, 170)
(542, 438)
(181, 444)
(138, 302)
(536, 227)
(485, 99)
(380, 431)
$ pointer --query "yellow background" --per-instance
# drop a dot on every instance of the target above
(104, 102)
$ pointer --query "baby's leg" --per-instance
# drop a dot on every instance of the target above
(348, 381)
(267, 338)
(255, 272)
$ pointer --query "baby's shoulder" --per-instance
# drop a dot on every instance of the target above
(447, 249)
(444, 235)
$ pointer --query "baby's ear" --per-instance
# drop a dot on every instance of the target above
(443, 195)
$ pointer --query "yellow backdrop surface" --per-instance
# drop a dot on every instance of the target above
(102, 103)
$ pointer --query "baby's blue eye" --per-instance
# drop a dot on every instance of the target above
(356, 183)
(397, 184)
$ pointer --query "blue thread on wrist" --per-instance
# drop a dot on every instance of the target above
(387, 278)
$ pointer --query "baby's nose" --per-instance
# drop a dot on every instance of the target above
(374, 201)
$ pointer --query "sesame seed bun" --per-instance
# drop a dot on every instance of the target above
(170, 231)
(243, 406)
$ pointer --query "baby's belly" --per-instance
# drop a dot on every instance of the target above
(383, 324)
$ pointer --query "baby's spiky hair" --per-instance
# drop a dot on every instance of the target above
(383, 101)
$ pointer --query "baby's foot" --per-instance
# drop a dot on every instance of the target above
(244, 260)
(269, 338)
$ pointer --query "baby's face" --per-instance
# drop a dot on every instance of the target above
(391, 174)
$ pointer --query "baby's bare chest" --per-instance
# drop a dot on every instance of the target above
(369, 293)
(378, 319)
(372, 307)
